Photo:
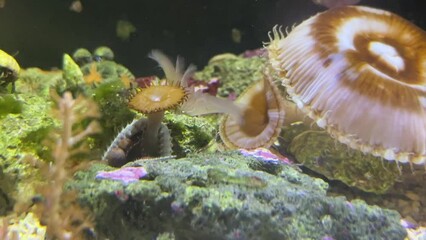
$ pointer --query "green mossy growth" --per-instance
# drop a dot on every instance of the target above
(209, 196)
(234, 73)
(38, 82)
(6, 192)
(9, 104)
(319, 152)
(21, 137)
(189, 134)
(111, 98)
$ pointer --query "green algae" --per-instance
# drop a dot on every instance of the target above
(111, 98)
(179, 197)
(21, 134)
(234, 73)
(21, 138)
(39, 82)
(6, 192)
(9, 104)
(323, 154)
(189, 134)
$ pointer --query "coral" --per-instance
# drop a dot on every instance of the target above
(102, 68)
(107, 83)
(220, 196)
(26, 227)
(93, 76)
(58, 209)
(39, 182)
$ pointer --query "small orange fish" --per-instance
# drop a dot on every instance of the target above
(335, 3)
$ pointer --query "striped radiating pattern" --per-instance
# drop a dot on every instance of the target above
(360, 73)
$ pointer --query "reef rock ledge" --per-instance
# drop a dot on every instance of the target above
(227, 196)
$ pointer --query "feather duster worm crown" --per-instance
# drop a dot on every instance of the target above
(360, 73)
(262, 110)
(161, 96)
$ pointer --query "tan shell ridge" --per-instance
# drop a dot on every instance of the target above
(359, 73)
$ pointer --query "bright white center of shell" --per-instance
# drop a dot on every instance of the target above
(387, 53)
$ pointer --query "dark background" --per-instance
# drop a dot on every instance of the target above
(40, 31)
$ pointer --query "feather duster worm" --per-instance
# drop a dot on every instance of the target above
(149, 137)
(262, 110)
(360, 73)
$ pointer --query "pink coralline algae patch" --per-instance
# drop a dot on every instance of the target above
(126, 174)
(260, 52)
(265, 155)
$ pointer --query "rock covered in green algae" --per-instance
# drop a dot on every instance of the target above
(111, 98)
(6, 191)
(110, 93)
(102, 62)
(189, 134)
(9, 104)
(9, 71)
(235, 73)
(38, 81)
(227, 196)
(21, 135)
(321, 153)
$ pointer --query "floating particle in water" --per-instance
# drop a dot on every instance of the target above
(124, 29)
(236, 35)
(76, 6)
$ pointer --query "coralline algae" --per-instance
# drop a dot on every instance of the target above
(126, 174)
(265, 155)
